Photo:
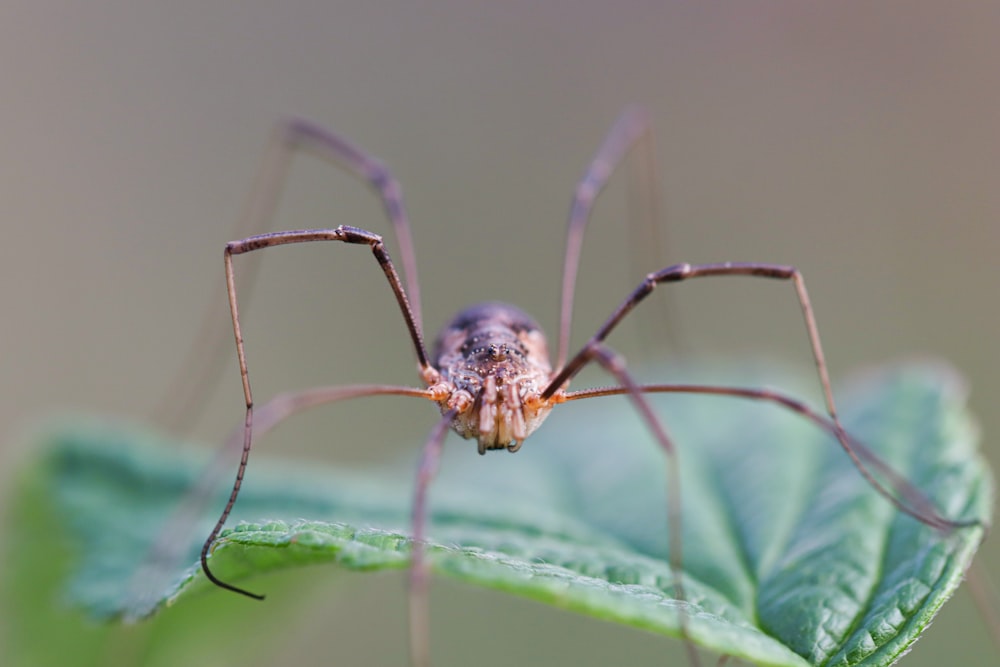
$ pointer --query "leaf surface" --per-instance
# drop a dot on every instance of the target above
(790, 557)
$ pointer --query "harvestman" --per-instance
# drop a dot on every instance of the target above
(489, 370)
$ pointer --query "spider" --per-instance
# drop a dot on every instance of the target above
(489, 370)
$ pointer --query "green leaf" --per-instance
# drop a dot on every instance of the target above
(790, 558)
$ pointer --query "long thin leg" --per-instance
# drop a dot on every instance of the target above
(615, 365)
(681, 272)
(344, 234)
(275, 411)
(200, 370)
(913, 502)
(649, 237)
(327, 144)
(629, 128)
(920, 506)
(907, 498)
(594, 348)
(420, 651)
(644, 203)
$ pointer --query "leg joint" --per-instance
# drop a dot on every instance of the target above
(351, 234)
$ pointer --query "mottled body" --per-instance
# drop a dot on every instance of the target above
(494, 365)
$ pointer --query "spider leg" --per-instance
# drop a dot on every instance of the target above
(905, 496)
(681, 272)
(337, 149)
(419, 573)
(201, 368)
(614, 364)
(352, 235)
(629, 129)
(595, 349)
(272, 413)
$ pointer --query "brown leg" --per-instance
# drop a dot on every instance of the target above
(630, 127)
(920, 506)
(344, 234)
(420, 655)
(915, 503)
(200, 370)
(681, 272)
(615, 365)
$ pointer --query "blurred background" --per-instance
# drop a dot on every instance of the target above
(859, 142)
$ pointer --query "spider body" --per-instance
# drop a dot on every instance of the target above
(494, 364)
